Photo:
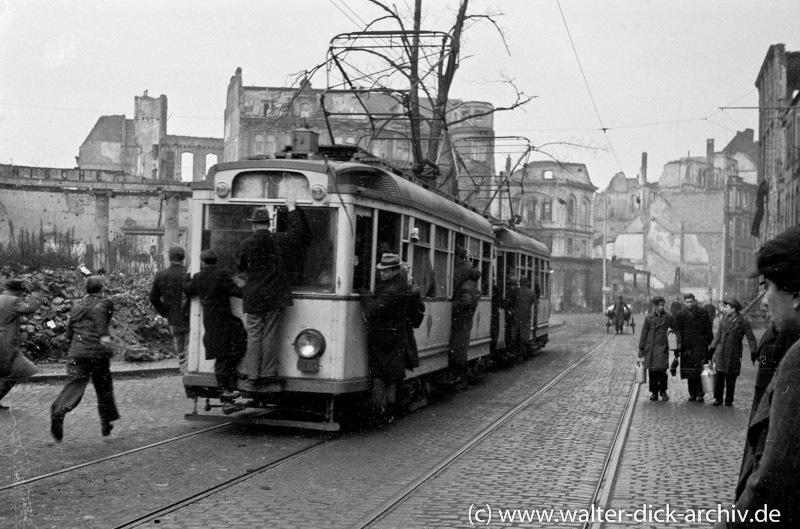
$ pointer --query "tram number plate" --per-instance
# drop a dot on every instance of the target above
(308, 365)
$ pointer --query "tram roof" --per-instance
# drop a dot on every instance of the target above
(518, 241)
(378, 182)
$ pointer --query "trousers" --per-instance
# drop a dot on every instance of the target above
(80, 371)
(261, 358)
(658, 380)
(180, 341)
(724, 384)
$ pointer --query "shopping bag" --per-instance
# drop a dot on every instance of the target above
(707, 378)
(640, 374)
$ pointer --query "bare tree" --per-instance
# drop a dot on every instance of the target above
(417, 68)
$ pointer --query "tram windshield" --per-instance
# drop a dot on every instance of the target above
(311, 263)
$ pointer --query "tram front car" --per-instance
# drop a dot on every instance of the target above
(354, 212)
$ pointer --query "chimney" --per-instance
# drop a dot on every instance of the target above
(644, 169)
(709, 163)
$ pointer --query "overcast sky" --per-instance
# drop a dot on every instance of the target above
(656, 71)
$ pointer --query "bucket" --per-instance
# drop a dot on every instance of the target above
(640, 374)
(707, 378)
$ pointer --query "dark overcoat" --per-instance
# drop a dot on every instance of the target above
(89, 321)
(771, 349)
(518, 315)
(653, 344)
(727, 344)
(771, 472)
(224, 336)
(166, 294)
(267, 258)
(11, 308)
(390, 314)
(465, 303)
(696, 334)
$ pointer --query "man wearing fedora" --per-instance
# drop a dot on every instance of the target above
(265, 258)
(166, 295)
(13, 305)
(727, 349)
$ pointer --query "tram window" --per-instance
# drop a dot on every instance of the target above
(268, 184)
(317, 267)
(440, 259)
(421, 268)
(225, 228)
(362, 267)
(388, 232)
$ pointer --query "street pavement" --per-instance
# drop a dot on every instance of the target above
(679, 454)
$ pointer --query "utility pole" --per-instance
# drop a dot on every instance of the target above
(605, 271)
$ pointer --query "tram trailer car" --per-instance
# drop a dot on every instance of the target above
(354, 210)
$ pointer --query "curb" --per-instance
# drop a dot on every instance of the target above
(126, 373)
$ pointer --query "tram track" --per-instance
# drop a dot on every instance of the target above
(604, 484)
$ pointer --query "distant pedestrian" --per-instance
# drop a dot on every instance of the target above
(770, 474)
(14, 366)
(727, 350)
(676, 306)
(696, 334)
(89, 354)
(654, 347)
(620, 310)
(166, 295)
(265, 258)
(224, 339)
(711, 310)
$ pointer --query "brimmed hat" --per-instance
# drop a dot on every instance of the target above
(388, 260)
(777, 260)
(733, 302)
(15, 283)
(260, 215)
(176, 253)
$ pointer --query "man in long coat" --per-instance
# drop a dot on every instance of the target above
(225, 339)
(654, 347)
(389, 314)
(620, 309)
(727, 347)
(12, 306)
(166, 296)
(519, 303)
(465, 303)
(696, 334)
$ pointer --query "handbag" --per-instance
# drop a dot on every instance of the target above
(640, 373)
(673, 368)
(707, 378)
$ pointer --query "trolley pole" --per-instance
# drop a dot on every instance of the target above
(605, 271)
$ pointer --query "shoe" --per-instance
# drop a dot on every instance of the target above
(664, 396)
(700, 399)
(692, 399)
(105, 428)
(232, 407)
(57, 428)
(729, 404)
(654, 396)
(716, 403)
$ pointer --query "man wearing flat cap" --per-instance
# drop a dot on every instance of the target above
(727, 349)
(166, 296)
(13, 305)
(265, 259)
(89, 355)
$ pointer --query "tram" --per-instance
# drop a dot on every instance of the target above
(355, 211)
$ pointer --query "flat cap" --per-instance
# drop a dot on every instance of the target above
(176, 253)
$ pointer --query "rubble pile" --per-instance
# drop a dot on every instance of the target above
(134, 327)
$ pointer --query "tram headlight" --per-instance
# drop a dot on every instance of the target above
(318, 192)
(222, 189)
(309, 343)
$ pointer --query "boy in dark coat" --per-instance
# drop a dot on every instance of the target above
(727, 348)
(696, 334)
(225, 339)
(90, 355)
(654, 347)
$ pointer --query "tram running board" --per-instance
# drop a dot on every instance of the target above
(264, 421)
